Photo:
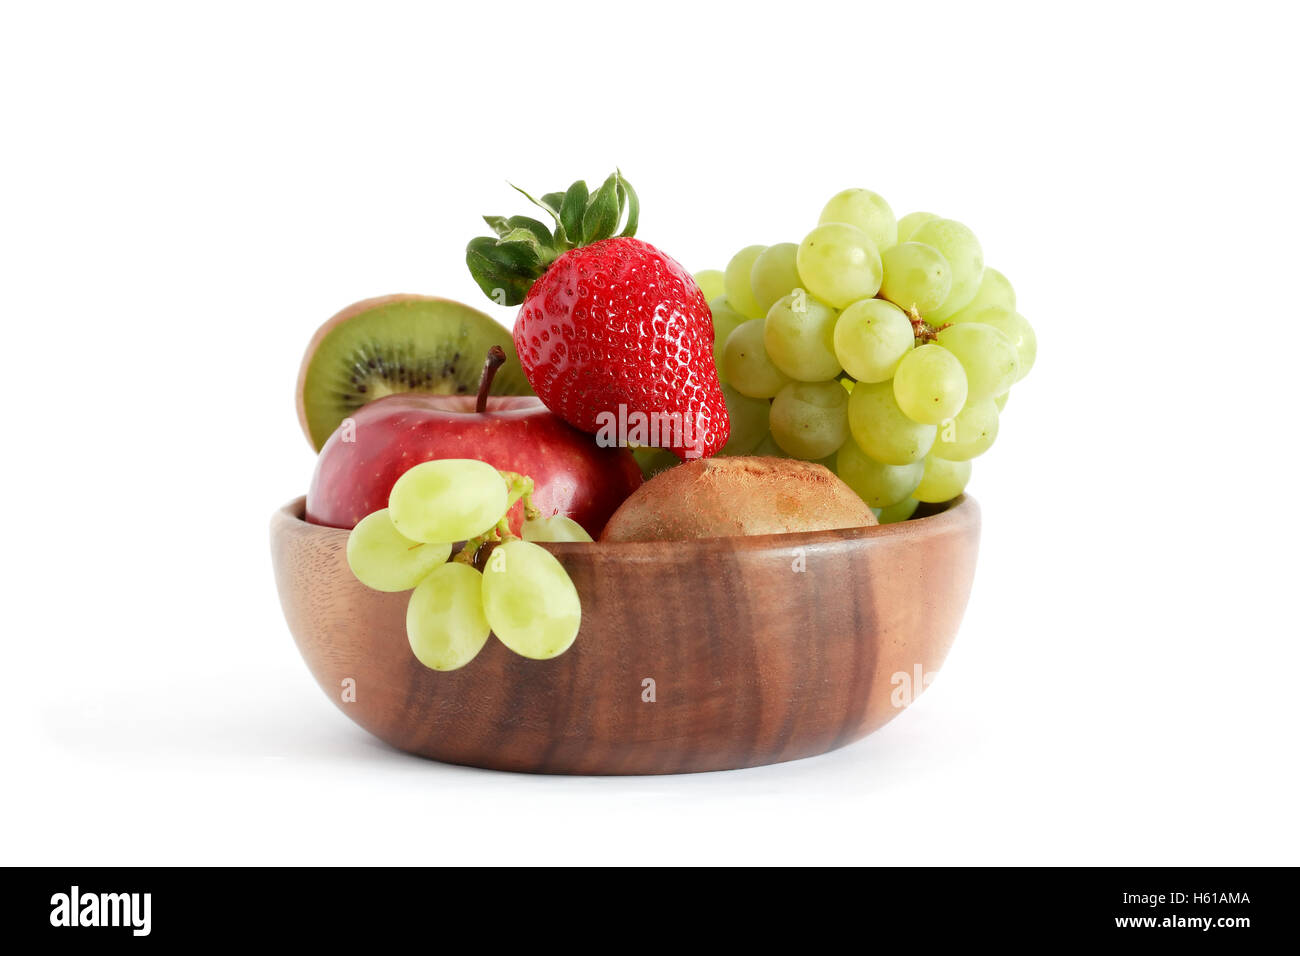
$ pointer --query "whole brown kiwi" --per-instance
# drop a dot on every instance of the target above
(721, 497)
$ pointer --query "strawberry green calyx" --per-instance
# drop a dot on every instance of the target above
(506, 265)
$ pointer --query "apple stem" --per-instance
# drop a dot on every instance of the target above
(496, 357)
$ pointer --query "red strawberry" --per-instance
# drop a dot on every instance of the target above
(614, 336)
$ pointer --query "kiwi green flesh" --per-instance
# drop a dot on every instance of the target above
(413, 346)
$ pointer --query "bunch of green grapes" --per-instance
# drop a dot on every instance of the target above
(522, 594)
(881, 347)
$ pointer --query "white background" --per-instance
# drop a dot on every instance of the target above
(186, 195)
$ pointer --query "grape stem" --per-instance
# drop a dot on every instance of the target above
(470, 549)
(521, 486)
(922, 331)
(518, 487)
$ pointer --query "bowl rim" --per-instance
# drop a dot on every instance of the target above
(960, 512)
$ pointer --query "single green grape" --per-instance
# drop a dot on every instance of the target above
(749, 369)
(556, 528)
(710, 282)
(810, 420)
(970, 434)
(452, 499)
(737, 287)
(930, 384)
(1015, 327)
(799, 335)
(994, 290)
(725, 321)
(882, 430)
(866, 210)
(839, 264)
(916, 277)
(774, 274)
(529, 600)
(871, 338)
(654, 460)
(1001, 400)
(943, 480)
(913, 221)
(878, 484)
(749, 421)
(768, 448)
(989, 358)
(900, 511)
(445, 622)
(958, 245)
(384, 559)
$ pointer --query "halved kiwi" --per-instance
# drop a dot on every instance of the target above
(398, 343)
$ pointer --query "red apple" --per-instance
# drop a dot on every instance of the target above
(572, 475)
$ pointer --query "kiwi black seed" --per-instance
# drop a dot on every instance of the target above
(398, 344)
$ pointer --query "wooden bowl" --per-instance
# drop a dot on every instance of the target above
(695, 655)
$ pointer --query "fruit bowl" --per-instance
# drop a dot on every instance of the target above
(699, 655)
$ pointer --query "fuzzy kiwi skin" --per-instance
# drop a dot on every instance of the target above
(723, 497)
(347, 314)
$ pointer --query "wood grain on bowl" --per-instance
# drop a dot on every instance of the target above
(696, 655)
